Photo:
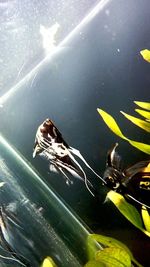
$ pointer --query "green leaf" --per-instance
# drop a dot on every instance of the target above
(129, 211)
(113, 126)
(145, 105)
(111, 123)
(114, 257)
(145, 54)
(92, 247)
(141, 146)
(95, 263)
(109, 242)
(140, 123)
(112, 242)
(146, 218)
(48, 262)
(144, 113)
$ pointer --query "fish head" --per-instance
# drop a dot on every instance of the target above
(112, 178)
(42, 134)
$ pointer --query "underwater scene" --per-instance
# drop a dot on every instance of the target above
(74, 133)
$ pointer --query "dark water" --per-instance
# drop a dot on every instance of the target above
(100, 68)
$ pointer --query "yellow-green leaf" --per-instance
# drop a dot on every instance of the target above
(111, 123)
(146, 218)
(144, 113)
(109, 242)
(145, 54)
(128, 210)
(114, 257)
(140, 123)
(92, 247)
(145, 105)
(48, 262)
(112, 242)
(141, 146)
(113, 126)
(95, 263)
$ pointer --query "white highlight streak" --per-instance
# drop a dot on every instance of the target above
(48, 37)
(99, 7)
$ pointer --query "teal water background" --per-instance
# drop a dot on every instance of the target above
(102, 67)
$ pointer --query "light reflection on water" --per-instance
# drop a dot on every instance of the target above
(27, 198)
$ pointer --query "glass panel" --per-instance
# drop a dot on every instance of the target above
(46, 226)
(26, 29)
(96, 64)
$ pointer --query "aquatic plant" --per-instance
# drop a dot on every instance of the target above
(113, 254)
(128, 210)
(145, 54)
(144, 124)
(131, 213)
(48, 262)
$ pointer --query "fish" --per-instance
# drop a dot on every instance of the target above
(132, 182)
(50, 144)
(5, 239)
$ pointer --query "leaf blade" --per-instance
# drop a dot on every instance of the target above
(113, 126)
(108, 241)
(138, 122)
(146, 218)
(145, 105)
(145, 54)
(111, 123)
(48, 262)
(128, 210)
(114, 257)
(144, 113)
(94, 263)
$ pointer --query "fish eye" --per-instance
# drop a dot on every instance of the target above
(48, 122)
(111, 182)
(43, 130)
(111, 179)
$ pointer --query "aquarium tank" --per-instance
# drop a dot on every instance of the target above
(74, 170)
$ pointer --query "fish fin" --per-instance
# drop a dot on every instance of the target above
(7, 215)
(113, 158)
(137, 201)
(86, 181)
(68, 181)
(37, 149)
(11, 260)
(53, 168)
(69, 168)
(137, 167)
(79, 155)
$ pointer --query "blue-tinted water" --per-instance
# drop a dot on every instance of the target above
(101, 67)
